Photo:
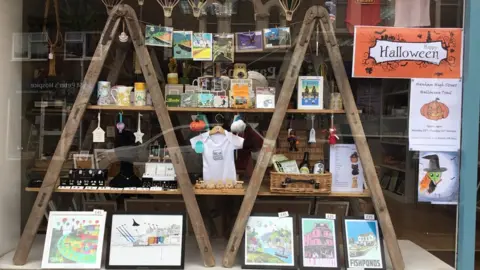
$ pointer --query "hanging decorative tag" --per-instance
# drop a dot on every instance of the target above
(123, 37)
(120, 124)
(311, 138)
(199, 147)
(110, 132)
(139, 134)
(50, 56)
(98, 133)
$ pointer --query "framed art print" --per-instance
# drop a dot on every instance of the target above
(310, 93)
(223, 48)
(277, 38)
(182, 45)
(269, 243)
(249, 42)
(319, 245)
(158, 36)
(74, 240)
(363, 244)
(202, 46)
(143, 241)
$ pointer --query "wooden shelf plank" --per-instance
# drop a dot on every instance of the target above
(226, 110)
(264, 191)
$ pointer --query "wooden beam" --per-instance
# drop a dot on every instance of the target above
(361, 142)
(170, 138)
(120, 56)
(270, 139)
(71, 127)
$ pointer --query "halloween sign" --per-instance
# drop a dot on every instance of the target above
(435, 114)
(438, 179)
(390, 52)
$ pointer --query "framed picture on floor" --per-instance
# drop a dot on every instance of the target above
(74, 240)
(269, 243)
(363, 244)
(139, 241)
(319, 245)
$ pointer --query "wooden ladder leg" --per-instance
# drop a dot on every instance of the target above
(55, 166)
(120, 56)
(170, 138)
(269, 141)
(361, 142)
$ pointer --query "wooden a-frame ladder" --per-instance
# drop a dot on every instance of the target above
(314, 14)
(118, 13)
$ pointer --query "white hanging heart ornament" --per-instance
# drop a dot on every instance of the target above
(123, 37)
(120, 127)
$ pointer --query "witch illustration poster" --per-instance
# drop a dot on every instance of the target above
(182, 45)
(202, 46)
(310, 92)
(223, 48)
(74, 240)
(158, 36)
(438, 175)
(143, 240)
(363, 244)
(346, 169)
(269, 241)
(319, 243)
(249, 42)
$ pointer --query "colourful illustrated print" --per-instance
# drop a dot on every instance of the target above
(319, 243)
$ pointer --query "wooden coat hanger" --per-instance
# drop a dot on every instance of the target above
(218, 126)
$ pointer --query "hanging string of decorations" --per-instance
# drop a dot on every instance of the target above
(52, 45)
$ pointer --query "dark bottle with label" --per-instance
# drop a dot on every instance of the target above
(305, 166)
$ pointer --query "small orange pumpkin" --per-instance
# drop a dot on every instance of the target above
(435, 110)
(197, 125)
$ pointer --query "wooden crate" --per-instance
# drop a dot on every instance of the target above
(300, 183)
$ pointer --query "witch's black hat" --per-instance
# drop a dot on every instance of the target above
(433, 164)
(135, 224)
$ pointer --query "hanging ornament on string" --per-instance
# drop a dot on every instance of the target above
(139, 134)
(332, 133)
(120, 124)
(123, 37)
(317, 34)
(292, 137)
(312, 135)
(98, 133)
(58, 37)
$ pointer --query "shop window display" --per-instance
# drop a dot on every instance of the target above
(351, 105)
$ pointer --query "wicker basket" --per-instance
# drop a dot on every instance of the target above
(300, 183)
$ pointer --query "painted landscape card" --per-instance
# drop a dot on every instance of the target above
(249, 42)
(74, 240)
(310, 92)
(223, 48)
(277, 38)
(202, 46)
(182, 45)
(363, 244)
(146, 241)
(158, 36)
(269, 242)
(319, 243)
(438, 175)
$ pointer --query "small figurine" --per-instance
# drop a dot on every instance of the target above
(332, 135)
(292, 140)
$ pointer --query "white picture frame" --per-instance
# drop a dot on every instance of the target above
(313, 99)
(61, 225)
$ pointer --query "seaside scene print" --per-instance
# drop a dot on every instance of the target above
(310, 92)
(319, 243)
(223, 48)
(74, 240)
(182, 44)
(202, 46)
(146, 240)
(275, 38)
(269, 241)
(249, 42)
(158, 36)
(363, 244)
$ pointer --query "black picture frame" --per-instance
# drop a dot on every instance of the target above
(109, 237)
(301, 243)
(345, 244)
(294, 245)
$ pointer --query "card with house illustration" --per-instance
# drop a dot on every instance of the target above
(146, 241)
(363, 244)
(319, 246)
(269, 243)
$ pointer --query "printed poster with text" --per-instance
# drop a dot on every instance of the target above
(435, 115)
(392, 52)
(346, 169)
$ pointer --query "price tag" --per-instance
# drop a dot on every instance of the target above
(130, 188)
(369, 217)
(156, 188)
(98, 212)
(283, 214)
(108, 188)
(142, 188)
(114, 188)
(102, 188)
(77, 187)
(110, 131)
(63, 187)
(331, 216)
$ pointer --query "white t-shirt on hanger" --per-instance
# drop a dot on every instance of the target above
(412, 13)
(218, 155)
